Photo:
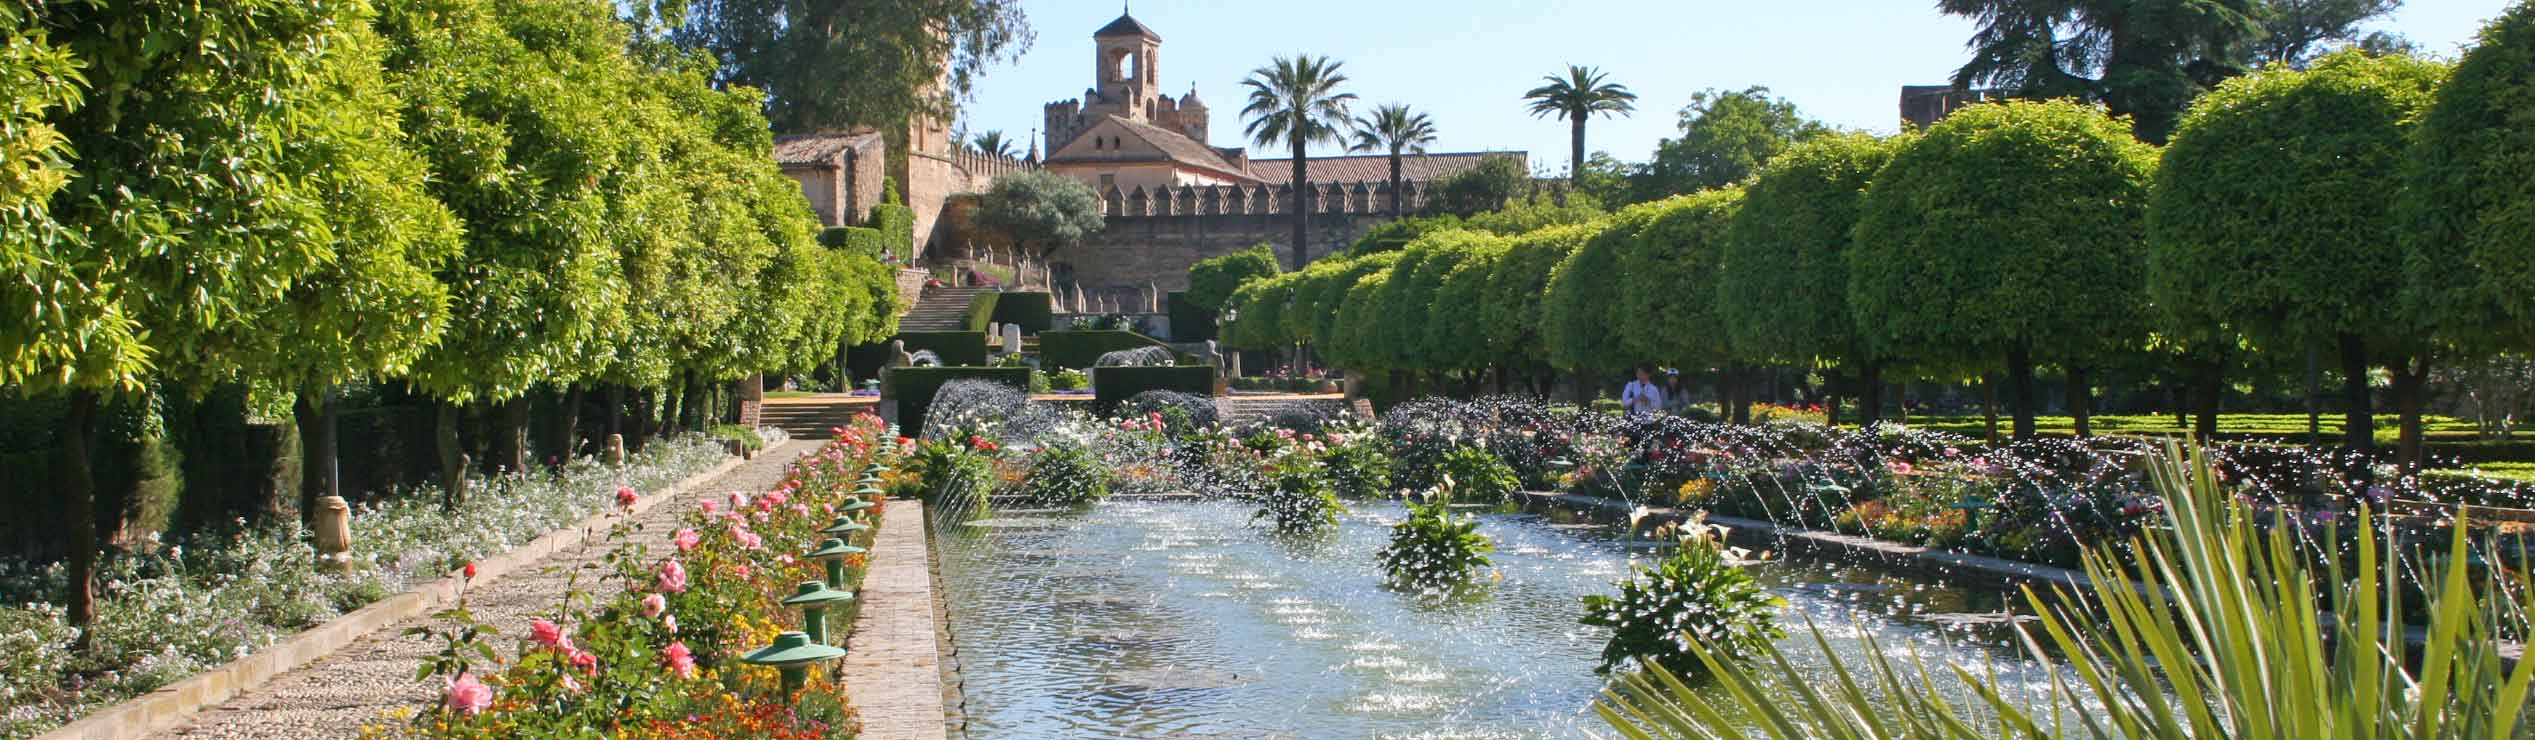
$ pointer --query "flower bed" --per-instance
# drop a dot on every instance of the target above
(652, 650)
(183, 606)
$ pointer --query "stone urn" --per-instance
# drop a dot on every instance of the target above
(332, 524)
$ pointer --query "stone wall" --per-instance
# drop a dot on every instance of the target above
(1152, 237)
(933, 177)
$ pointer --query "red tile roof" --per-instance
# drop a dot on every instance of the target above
(821, 148)
(1175, 147)
(1375, 167)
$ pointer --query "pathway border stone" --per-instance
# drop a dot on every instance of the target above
(170, 705)
(893, 667)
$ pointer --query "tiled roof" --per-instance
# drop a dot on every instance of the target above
(1376, 167)
(1126, 25)
(807, 149)
(1175, 146)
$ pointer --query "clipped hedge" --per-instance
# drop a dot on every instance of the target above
(1035, 312)
(1080, 349)
(1114, 385)
(855, 240)
(954, 347)
(981, 312)
(1189, 322)
(914, 387)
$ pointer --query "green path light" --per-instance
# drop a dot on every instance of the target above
(792, 655)
(814, 598)
(831, 553)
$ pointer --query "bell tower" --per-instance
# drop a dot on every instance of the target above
(1127, 58)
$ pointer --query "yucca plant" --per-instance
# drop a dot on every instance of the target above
(2215, 628)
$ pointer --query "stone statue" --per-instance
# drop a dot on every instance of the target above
(332, 524)
(898, 356)
(1012, 339)
(1214, 357)
(615, 449)
(1152, 298)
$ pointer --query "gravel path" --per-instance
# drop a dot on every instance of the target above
(360, 684)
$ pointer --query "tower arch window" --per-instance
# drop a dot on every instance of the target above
(1125, 65)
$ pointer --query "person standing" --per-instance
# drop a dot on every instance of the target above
(1642, 397)
(1676, 393)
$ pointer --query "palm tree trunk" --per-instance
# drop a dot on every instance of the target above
(1395, 184)
(1302, 210)
(1575, 149)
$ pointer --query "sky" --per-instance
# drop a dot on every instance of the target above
(1468, 62)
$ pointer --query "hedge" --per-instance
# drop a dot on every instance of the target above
(981, 313)
(1035, 312)
(1114, 385)
(1081, 349)
(855, 239)
(913, 388)
(1189, 322)
(956, 348)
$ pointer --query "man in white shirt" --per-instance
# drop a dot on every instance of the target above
(1642, 397)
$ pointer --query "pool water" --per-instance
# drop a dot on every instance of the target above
(1176, 618)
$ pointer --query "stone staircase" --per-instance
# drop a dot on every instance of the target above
(941, 309)
(809, 417)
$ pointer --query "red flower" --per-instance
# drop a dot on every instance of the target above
(469, 570)
(625, 497)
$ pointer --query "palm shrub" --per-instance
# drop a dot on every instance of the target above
(1692, 613)
(1434, 550)
(2215, 629)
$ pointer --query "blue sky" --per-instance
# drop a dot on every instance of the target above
(1467, 62)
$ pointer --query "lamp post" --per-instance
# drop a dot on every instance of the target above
(814, 598)
(792, 655)
(831, 553)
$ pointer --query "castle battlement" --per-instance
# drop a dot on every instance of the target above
(1353, 198)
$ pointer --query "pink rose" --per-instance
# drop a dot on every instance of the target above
(681, 660)
(625, 497)
(673, 577)
(670, 623)
(548, 635)
(710, 507)
(741, 571)
(654, 604)
(584, 660)
(465, 695)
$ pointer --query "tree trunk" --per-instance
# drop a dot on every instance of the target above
(567, 442)
(2020, 389)
(639, 432)
(2358, 421)
(2410, 374)
(672, 399)
(1575, 150)
(1989, 406)
(2314, 398)
(511, 436)
(320, 468)
(2208, 385)
(1302, 208)
(80, 509)
(1395, 184)
(615, 409)
(1870, 394)
(1724, 395)
(1740, 378)
(2081, 400)
(453, 463)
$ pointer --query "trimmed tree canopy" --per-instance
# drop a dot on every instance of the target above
(1782, 292)
(1581, 318)
(1668, 279)
(2469, 210)
(1512, 318)
(2004, 228)
(2270, 214)
(1212, 281)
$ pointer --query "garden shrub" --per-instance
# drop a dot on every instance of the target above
(1211, 281)
(1112, 386)
(1078, 348)
(1357, 465)
(1190, 322)
(747, 438)
(1475, 474)
(913, 388)
(1695, 594)
(1299, 498)
(1434, 550)
(1033, 311)
(1063, 473)
(1068, 379)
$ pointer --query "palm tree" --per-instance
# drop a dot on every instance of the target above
(1579, 95)
(1396, 129)
(1295, 101)
(992, 142)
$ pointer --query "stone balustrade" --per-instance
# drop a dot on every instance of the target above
(1365, 198)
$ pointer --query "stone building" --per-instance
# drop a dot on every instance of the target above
(1173, 198)
(839, 172)
(1923, 105)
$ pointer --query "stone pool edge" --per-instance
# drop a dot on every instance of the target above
(1754, 532)
(893, 670)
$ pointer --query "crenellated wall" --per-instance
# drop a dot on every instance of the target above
(1359, 198)
(933, 177)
